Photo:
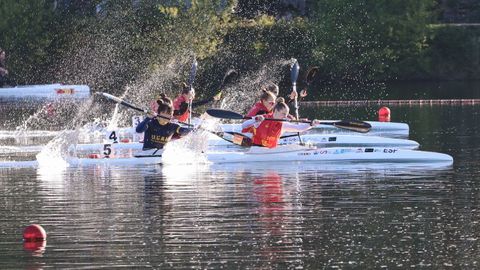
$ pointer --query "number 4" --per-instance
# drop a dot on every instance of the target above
(113, 136)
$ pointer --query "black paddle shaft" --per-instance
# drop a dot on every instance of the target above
(353, 125)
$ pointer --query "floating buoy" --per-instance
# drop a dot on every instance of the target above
(34, 233)
(35, 247)
(125, 140)
(384, 114)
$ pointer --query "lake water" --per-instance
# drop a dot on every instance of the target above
(267, 216)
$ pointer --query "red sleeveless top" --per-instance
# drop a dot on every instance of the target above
(267, 133)
(176, 106)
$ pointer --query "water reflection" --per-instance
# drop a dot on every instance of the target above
(257, 215)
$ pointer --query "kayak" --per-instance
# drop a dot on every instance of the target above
(47, 91)
(337, 140)
(215, 142)
(318, 140)
(333, 154)
(384, 129)
(290, 153)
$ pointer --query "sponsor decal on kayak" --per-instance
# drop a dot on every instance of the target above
(341, 151)
(64, 91)
(388, 150)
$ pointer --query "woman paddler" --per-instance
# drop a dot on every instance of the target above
(180, 104)
(267, 101)
(158, 129)
(264, 105)
(267, 132)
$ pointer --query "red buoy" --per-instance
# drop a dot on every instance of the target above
(35, 247)
(125, 140)
(34, 233)
(93, 156)
(384, 114)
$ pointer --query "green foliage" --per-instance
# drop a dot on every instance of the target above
(352, 41)
(25, 36)
(365, 40)
(454, 52)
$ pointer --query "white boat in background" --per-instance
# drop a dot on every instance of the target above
(287, 153)
(46, 91)
(383, 129)
(332, 140)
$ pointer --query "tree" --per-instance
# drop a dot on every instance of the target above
(369, 40)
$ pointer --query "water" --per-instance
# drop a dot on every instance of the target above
(266, 215)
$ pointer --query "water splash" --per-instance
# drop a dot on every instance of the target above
(55, 153)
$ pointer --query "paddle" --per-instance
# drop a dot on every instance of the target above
(309, 77)
(238, 138)
(353, 125)
(191, 79)
(294, 76)
(227, 78)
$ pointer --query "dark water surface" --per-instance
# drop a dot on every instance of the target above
(267, 216)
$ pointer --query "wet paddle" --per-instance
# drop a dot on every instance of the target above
(294, 70)
(191, 79)
(353, 125)
(229, 77)
(309, 77)
(238, 138)
(293, 76)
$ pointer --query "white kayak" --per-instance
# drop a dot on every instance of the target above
(318, 140)
(47, 91)
(333, 140)
(384, 129)
(333, 154)
(215, 142)
(291, 153)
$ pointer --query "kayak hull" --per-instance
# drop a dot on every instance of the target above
(288, 153)
(334, 154)
(47, 91)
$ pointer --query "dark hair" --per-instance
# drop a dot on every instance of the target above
(185, 88)
(280, 100)
(271, 87)
(267, 95)
(281, 105)
(165, 104)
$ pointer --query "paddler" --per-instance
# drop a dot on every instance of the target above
(180, 104)
(158, 129)
(264, 105)
(266, 132)
(268, 99)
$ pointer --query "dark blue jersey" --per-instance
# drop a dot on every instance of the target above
(157, 135)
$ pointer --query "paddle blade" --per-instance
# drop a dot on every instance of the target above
(353, 125)
(229, 77)
(225, 114)
(233, 137)
(294, 71)
(310, 76)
